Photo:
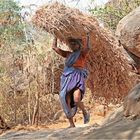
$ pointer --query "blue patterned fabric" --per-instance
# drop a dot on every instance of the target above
(71, 79)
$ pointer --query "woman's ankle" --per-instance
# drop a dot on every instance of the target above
(84, 112)
(71, 125)
(71, 122)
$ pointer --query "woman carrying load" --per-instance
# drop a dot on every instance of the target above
(73, 77)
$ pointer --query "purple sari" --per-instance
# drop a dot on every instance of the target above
(71, 79)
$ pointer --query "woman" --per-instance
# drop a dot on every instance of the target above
(73, 77)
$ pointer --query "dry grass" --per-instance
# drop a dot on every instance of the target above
(110, 73)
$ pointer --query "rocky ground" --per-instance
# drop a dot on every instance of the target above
(114, 126)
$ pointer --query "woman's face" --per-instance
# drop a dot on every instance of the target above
(74, 46)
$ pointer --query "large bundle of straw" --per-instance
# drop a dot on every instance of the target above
(110, 74)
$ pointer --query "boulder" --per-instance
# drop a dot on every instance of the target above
(132, 103)
(128, 32)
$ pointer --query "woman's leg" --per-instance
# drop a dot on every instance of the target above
(82, 107)
(77, 100)
(68, 100)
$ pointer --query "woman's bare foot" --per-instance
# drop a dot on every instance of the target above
(71, 126)
(71, 122)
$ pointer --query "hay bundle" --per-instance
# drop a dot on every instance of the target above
(63, 22)
(110, 74)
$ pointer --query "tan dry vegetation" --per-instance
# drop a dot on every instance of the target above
(110, 73)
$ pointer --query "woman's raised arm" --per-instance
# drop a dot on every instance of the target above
(58, 50)
(86, 49)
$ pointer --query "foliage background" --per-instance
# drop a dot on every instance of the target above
(114, 11)
(27, 69)
(28, 80)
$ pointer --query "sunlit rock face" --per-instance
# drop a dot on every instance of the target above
(128, 32)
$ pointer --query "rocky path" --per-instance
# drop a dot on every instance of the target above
(115, 127)
(117, 130)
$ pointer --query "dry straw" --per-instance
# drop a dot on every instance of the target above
(110, 73)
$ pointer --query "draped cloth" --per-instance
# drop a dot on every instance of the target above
(71, 79)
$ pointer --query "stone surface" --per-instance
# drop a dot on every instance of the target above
(132, 102)
(128, 32)
(115, 127)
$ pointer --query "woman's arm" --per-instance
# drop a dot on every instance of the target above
(58, 50)
(88, 45)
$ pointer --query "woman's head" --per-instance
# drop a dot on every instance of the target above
(74, 44)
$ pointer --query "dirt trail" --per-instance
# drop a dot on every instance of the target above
(115, 127)
(78, 119)
(42, 132)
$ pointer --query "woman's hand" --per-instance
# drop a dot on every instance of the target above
(58, 50)
(88, 34)
(88, 39)
(54, 43)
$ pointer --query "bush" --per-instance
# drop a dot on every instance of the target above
(114, 11)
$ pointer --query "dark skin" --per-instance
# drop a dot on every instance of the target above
(58, 50)
(73, 47)
(77, 93)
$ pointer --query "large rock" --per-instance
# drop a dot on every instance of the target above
(128, 32)
(132, 103)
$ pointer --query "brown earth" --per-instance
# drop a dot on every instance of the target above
(114, 127)
(97, 115)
